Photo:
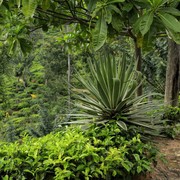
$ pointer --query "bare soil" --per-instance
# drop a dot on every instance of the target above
(171, 169)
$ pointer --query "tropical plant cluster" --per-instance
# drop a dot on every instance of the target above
(102, 152)
(82, 85)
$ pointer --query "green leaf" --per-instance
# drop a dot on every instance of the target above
(80, 167)
(122, 125)
(136, 156)
(18, 3)
(25, 45)
(29, 7)
(145, 23)
(171, 10)
(91, 5)
(170, 22)
(117, 24)
(1, 1)
(45, 4)
(115, 1)
(127, 7)
(114, 8)
(13, 45)
(126, 166)
(156, 3)
(108, 16)
(139, 169)
(99, 34)
(147, 166)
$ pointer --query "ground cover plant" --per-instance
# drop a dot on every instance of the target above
(101, 152)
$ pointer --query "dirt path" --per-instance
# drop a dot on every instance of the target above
(170, 170)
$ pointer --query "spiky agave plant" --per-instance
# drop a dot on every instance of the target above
(110, 95)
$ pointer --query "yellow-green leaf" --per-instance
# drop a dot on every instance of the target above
(29, 7)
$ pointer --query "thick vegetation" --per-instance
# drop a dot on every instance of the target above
(102, 152)
(47, 87)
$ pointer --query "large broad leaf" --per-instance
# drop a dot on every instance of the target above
(145, 23)
(99, 34)
(170, 22)
(172, 11)
(29, 7)
(91, 4)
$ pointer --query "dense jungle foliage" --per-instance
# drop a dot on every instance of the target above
(35, 113)
(82, 87)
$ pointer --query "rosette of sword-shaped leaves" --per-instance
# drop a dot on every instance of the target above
(110, 95)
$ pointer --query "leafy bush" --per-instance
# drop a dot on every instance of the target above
(98, 153)
(172, 113)
(172, 126)
(172, 130)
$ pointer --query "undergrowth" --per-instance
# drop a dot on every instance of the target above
(101, 152)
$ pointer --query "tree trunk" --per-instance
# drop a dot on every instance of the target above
(172, 86)
(69, 83)
(138, 56)
(69, 77)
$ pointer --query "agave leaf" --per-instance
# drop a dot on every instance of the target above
(90, 101)
(122, 125)
(120, 106)
(110, 75)
(79, 122)
(115, 93)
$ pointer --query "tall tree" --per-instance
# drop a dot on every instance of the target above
(172, 86)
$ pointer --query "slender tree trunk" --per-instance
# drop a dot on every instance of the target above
(69, 83)
(69, 77)
(172, 86)
(138, 56)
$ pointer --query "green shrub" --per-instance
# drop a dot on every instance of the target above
(23, 104)
(172, 113)
(98, 153)
(172, 126)
(172, 130)
(26, 111)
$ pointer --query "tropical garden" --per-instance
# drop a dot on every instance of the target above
(87, 87)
